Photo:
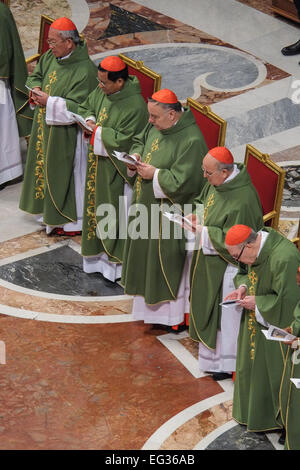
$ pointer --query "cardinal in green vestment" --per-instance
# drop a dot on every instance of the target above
(116, 112)
(229, 197)
(64, 76)
(171, 149)
(266, 291)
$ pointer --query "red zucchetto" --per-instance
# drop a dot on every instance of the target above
(237, 234)
(112, 63)
(222, 154)
(63, 24)
(165, 96)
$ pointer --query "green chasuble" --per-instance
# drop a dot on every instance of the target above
(271, 278)
(289, 394)
(13, 68)
(48, 186)
(153, 262)
(235, 202)
(121, 116)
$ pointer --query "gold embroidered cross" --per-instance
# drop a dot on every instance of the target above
(138, 184)
(210, 202)
(102, 116)
(52, 77)
(252, 321)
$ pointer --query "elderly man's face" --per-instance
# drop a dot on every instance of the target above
(244, 253)
(211, 171)
(60, 47)
(159, 117)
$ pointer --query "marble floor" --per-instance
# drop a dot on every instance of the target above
(76, 372)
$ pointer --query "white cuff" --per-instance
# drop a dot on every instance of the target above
(158, 192)
(260, 319)
(99, 148)
(207, 246)
(57, 113)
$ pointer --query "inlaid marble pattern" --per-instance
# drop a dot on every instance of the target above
(191, 432)
(88, 386)
(238, 438)
(58, 271)
(27, 15)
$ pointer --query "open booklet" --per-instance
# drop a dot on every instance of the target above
(296, 382)
(125, 157)
(79, 119)
(180, 220)
(277, 334)
(37, 92)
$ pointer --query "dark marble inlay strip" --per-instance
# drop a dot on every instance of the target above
(58, 271)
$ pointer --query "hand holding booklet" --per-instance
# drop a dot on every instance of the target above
(179, 219)
(79, 119)
(278, 334)
(126, 158)
(229, 302)
(36, 92)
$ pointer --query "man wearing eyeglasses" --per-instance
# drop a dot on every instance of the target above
(116, 112)
(155, 267)
(266, 290)
(229, 197)
(54, 177)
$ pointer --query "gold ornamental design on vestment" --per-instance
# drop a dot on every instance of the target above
(91, 184)
(210, 203)
(39, 171)
(252, 276)
(138, 184)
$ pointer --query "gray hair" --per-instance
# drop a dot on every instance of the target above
(251, 239)
(168, 106)
(73, 34)
(226, 166)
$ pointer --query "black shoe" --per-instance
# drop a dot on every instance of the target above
(281, 439)
(293, 49)
(221, 376)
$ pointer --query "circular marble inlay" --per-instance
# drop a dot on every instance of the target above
(185, 67)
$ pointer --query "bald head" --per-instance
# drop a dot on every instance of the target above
(215, 171)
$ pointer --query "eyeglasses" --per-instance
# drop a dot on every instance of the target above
(101, 83)
(241, 252)
(209, 173)
(54, 43)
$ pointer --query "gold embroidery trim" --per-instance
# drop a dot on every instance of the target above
(91, 184)
(210, 202)
(138, 184)
(252, 321)
(39, 171)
